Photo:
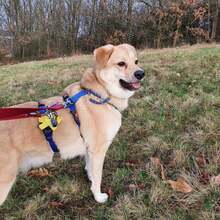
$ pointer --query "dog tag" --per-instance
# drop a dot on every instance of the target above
(51, 119)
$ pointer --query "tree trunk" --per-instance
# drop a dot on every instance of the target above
(159, 34)
(209, 17)
(176, 33)
(215, 5)
(129, 19)
(91, 26)
(218, 23)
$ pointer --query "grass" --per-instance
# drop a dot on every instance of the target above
(175, 117)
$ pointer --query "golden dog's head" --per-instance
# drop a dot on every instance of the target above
(117, 68)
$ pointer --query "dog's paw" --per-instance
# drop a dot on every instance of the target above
(101, 197)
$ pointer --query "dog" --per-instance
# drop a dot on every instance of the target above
(116, 76)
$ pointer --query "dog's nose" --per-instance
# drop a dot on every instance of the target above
(139, 74)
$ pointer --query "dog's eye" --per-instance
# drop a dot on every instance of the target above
(136, 62)
(121, 64)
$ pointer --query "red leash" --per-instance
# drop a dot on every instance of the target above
(17, 113)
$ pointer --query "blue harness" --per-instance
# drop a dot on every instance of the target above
(70, 103)
(48, 133)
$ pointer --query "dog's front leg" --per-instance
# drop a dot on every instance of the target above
(88, 166)
(96, 161)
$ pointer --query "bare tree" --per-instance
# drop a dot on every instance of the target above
(46, 28)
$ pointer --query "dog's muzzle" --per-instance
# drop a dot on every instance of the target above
(135, 83)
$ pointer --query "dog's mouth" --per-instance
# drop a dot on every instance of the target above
(130, 85)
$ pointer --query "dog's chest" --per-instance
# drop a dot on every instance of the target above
(113, 123)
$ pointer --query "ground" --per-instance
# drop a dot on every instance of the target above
(173, 119)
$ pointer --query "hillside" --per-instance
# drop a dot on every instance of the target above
(172, 123)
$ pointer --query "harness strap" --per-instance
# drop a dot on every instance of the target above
(99, 102)
(48, 132)
(102, 100)
(70, 102)
(72, 109)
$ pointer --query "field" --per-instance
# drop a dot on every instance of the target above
(171, 130)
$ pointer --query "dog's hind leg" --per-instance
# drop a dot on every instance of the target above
(5, 187)
(8, 172)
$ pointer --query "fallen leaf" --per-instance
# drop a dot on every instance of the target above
(56, 204)
(110, 193)
(141, 186)
(46, 189)
(41, 172)
(132, 186)
(215, 180)
(131, 163)
(201, 160)
(31, 92)
(204, 178)
(172, 163)
(53, 82)
(155, 160)
(180, 185)
(162, 172)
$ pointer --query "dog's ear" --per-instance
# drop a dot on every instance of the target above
(102, 55)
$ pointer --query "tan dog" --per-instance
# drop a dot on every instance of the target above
(116, 75)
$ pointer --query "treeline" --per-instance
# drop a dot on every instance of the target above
(48, 28)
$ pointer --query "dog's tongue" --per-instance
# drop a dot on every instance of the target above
(135, 85)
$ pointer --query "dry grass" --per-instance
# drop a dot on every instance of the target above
(174, 117)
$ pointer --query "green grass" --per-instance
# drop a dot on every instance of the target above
(175, 117)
